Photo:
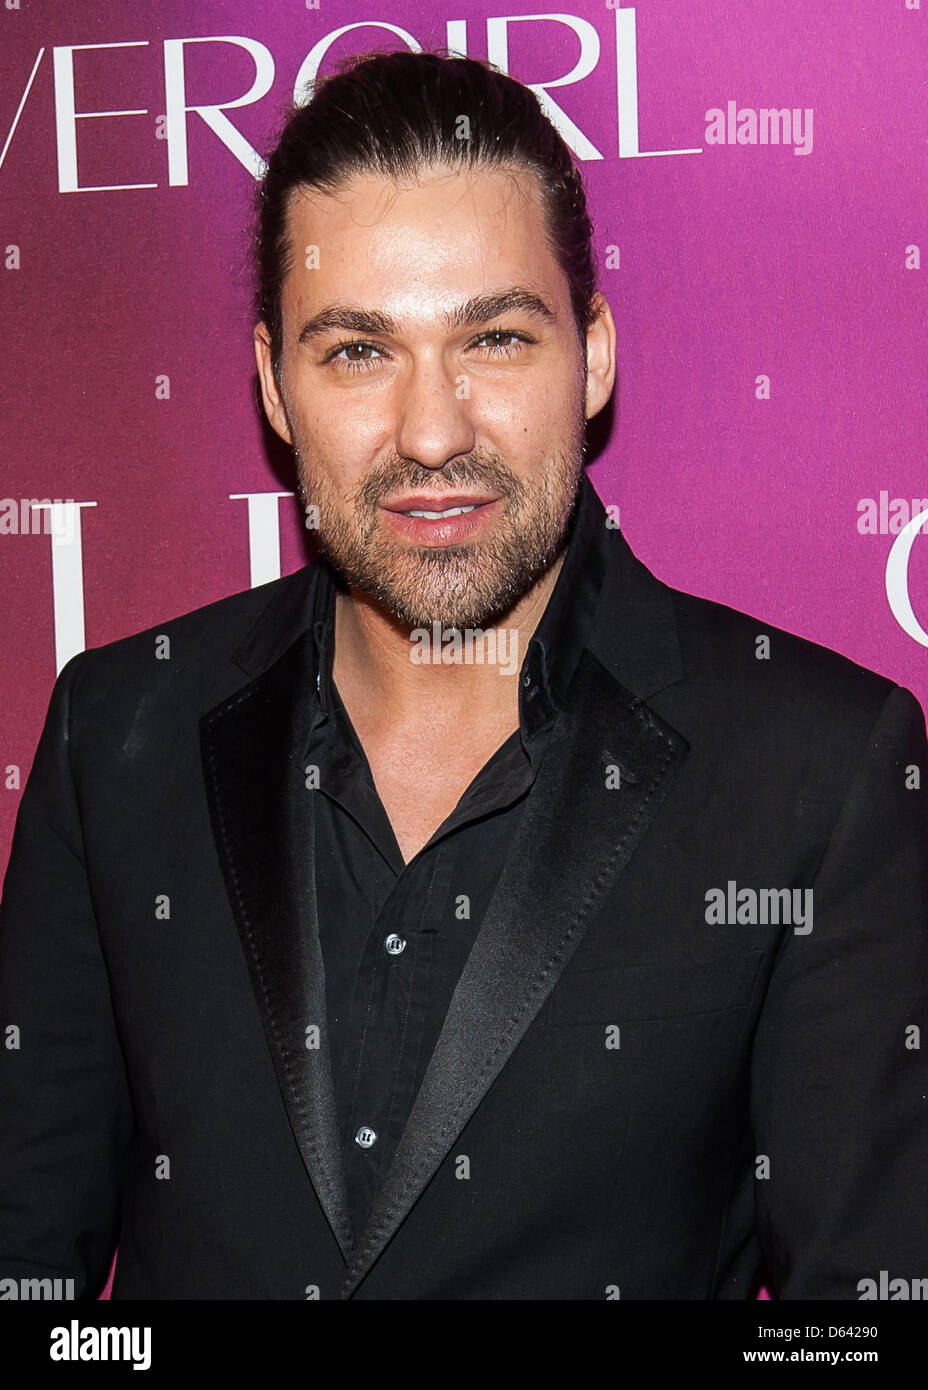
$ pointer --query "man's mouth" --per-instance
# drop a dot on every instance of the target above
(436, 516)
(436, 508)
(430, 520)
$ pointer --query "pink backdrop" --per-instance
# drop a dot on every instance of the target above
(769, 300)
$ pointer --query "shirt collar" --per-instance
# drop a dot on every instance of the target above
(567, 622)
(555, 647)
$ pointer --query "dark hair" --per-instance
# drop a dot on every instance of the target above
(392, 113)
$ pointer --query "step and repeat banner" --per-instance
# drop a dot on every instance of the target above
(756, 175)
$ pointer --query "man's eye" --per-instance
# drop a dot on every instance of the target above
(505, 349)
(357, 356)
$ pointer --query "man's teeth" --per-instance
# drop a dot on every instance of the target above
(438, 516)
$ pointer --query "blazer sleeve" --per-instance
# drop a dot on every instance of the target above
(65, 1114)
(839, 1076)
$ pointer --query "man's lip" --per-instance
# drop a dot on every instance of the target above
(428, 502)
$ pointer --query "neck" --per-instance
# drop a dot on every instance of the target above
(395, 678)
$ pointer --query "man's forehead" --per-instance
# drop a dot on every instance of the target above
(441, 192)
(433, 243)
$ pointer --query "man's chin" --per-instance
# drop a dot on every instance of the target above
(445, 615)
(418, 590)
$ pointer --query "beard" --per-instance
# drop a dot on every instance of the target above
(469, 585)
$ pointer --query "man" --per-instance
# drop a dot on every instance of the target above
(353, 958)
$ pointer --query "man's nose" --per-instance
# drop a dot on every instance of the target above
(433, 415)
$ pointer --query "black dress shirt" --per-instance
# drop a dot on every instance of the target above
(395, 936)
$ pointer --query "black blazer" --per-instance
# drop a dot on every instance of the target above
(649, 1102)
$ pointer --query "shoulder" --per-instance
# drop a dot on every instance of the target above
(718, 658)
(779, 725)
(192, 655)
(735, 645)
(754, 672)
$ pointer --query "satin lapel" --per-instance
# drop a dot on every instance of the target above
(575, 837)
(263, 822)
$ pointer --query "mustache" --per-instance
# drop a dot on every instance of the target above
(401, 474)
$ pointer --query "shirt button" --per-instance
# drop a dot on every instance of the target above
(394, 944)
(365, 1137)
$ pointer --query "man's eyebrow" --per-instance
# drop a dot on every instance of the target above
(484, 307)
(350, 318)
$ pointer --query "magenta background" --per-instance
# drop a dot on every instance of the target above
(736, 261)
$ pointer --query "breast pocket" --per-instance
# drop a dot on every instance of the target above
(653, 990)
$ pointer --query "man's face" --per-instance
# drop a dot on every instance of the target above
(431, 364)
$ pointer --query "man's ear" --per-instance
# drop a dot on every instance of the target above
(600, 357)
(273, 404)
